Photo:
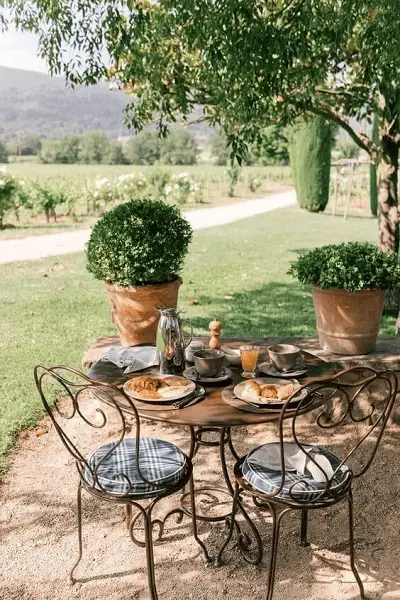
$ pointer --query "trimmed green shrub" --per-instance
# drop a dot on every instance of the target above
(310, 158)
(353, 266)
(373, 185)
(139, 242)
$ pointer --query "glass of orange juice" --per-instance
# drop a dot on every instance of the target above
(248, 356)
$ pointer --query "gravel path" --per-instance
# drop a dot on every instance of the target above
(54, 244)
(39, 537)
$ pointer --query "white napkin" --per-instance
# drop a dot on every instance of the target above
(295, 460)
(320, 472)
(133, 359)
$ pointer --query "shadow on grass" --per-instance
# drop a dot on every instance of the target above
(273, 309)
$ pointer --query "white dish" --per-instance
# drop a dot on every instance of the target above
(268, 402)
(232, 355)
(192, 374)
(174, 393)
(269, 369)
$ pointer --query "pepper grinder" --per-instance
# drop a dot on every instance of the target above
(215, 332)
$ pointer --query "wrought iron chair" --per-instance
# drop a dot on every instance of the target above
(294, 475)
(125, 471)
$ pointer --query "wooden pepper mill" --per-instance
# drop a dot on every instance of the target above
(215, 331)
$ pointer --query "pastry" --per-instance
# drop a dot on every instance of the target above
(174, 381)
(284, 391)
(269, 391)
(251, 390)
(144, 382)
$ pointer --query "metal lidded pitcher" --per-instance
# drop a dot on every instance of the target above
(171, 341)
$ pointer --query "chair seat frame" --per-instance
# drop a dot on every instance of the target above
(73, 385)
(279, 506)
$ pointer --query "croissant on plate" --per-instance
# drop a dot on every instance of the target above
(269, 391)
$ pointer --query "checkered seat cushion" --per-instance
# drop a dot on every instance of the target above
(160, 462)
(262, 469)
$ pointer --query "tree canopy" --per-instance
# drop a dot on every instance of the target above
(250, 63)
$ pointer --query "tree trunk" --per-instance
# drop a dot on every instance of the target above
(388, 216)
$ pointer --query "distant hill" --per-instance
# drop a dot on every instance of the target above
(34, 102)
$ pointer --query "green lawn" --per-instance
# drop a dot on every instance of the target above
(52, 310)
(214, 180)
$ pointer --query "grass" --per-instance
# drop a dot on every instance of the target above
(214, 180)
(53, 310)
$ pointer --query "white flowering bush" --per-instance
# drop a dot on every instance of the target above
(131, 185)
(98, 196)
(183, 188)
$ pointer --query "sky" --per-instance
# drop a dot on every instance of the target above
(19, 50)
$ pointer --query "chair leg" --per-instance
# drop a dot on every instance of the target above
(79, 514)
(207, 557)
(128, 515)
(276, 523)
(231, 526)
(351, 542)
(148, 530)
(303, 531)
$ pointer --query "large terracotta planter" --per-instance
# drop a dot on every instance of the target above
(134, 310)
(348, 322)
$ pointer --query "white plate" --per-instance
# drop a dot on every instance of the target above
(181, 391)
(192, 374)
(269, 369)
(238, 391)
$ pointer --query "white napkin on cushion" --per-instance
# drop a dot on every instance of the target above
(133, 359)
(320, 472)
(295, 460)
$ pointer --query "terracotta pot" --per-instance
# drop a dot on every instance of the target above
(134, 310)
(348, 322)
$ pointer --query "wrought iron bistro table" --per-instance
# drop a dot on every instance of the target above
(211, 415)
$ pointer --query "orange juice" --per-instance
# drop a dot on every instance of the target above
(249, 356)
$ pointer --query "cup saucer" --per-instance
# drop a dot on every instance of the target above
(191, 373)
(269, 369)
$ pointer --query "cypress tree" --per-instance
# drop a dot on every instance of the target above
(310, 158)
(373, 186)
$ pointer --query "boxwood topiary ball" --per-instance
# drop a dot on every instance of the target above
(139, 242)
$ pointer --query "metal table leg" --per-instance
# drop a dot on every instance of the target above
(250, 544)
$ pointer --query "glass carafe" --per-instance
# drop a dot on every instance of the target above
(171, 342)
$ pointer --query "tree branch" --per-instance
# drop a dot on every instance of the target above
(362, 140)
(334, 92)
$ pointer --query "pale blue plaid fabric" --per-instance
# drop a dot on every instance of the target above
(268, 480)
(160, 462)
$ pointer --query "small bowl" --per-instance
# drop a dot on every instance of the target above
(233, 357)
(208, 362)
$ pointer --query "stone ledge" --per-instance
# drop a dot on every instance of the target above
(386, 355)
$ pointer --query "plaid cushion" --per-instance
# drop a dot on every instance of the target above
(160, 462)
(268, 479)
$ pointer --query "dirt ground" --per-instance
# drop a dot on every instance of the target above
(38, 533)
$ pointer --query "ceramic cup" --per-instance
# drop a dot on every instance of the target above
(208, 363)
(284, 356)
(194, 346)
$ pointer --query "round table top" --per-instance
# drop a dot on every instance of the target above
(213, 411)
